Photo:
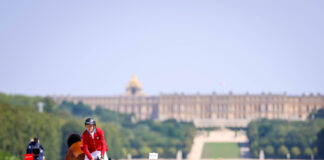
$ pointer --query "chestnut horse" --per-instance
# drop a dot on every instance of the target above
(74, 152)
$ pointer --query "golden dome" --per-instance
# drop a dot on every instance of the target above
(134, 83)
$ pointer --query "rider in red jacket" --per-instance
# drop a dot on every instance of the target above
(93, 141)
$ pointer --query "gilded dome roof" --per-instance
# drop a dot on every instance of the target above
(134, 83)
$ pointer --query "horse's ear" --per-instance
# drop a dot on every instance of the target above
(74, 137)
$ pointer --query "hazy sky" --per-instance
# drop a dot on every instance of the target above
(84, 47)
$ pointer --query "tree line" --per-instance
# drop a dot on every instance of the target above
(277, 138)
(21, 121)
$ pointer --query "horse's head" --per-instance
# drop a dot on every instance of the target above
(74, 152)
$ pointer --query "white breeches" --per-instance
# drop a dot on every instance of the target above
(96, 154)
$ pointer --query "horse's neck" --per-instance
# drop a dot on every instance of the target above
(76, 149)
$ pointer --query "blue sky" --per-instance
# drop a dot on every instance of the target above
(94, 47)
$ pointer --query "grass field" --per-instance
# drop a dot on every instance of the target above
(221, 150)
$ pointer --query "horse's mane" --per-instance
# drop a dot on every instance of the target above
(74, 137)
(74, 152)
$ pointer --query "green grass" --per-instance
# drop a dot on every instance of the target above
(221, 150)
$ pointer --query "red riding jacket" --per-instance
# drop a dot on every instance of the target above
(90, 145)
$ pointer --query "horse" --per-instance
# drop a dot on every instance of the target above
(75, 151)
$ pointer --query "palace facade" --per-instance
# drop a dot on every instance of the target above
(183, 107)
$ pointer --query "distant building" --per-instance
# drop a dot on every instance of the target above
(207, 109)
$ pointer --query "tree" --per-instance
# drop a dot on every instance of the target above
(295, 151)
(255, 153)
(295, 138)
(276, 133)
(319, 114)
(308, 151)
(4, 156)
(134, 152)
(159, 150)
(315, 150)
(264, 141)
(81, 110)
(144, 151)
(78, 110)
(49, 104)
(252, 130)
(320, 144)
(21, 124)
(124, 152)
(254, 146)
(113, 138)
(269, 151)
(172, 151)
(283, 151)
(20, 100)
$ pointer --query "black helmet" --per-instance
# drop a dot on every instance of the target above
(90, 121)
(35, 139)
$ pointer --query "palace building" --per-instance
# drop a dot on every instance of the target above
(205, 110)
